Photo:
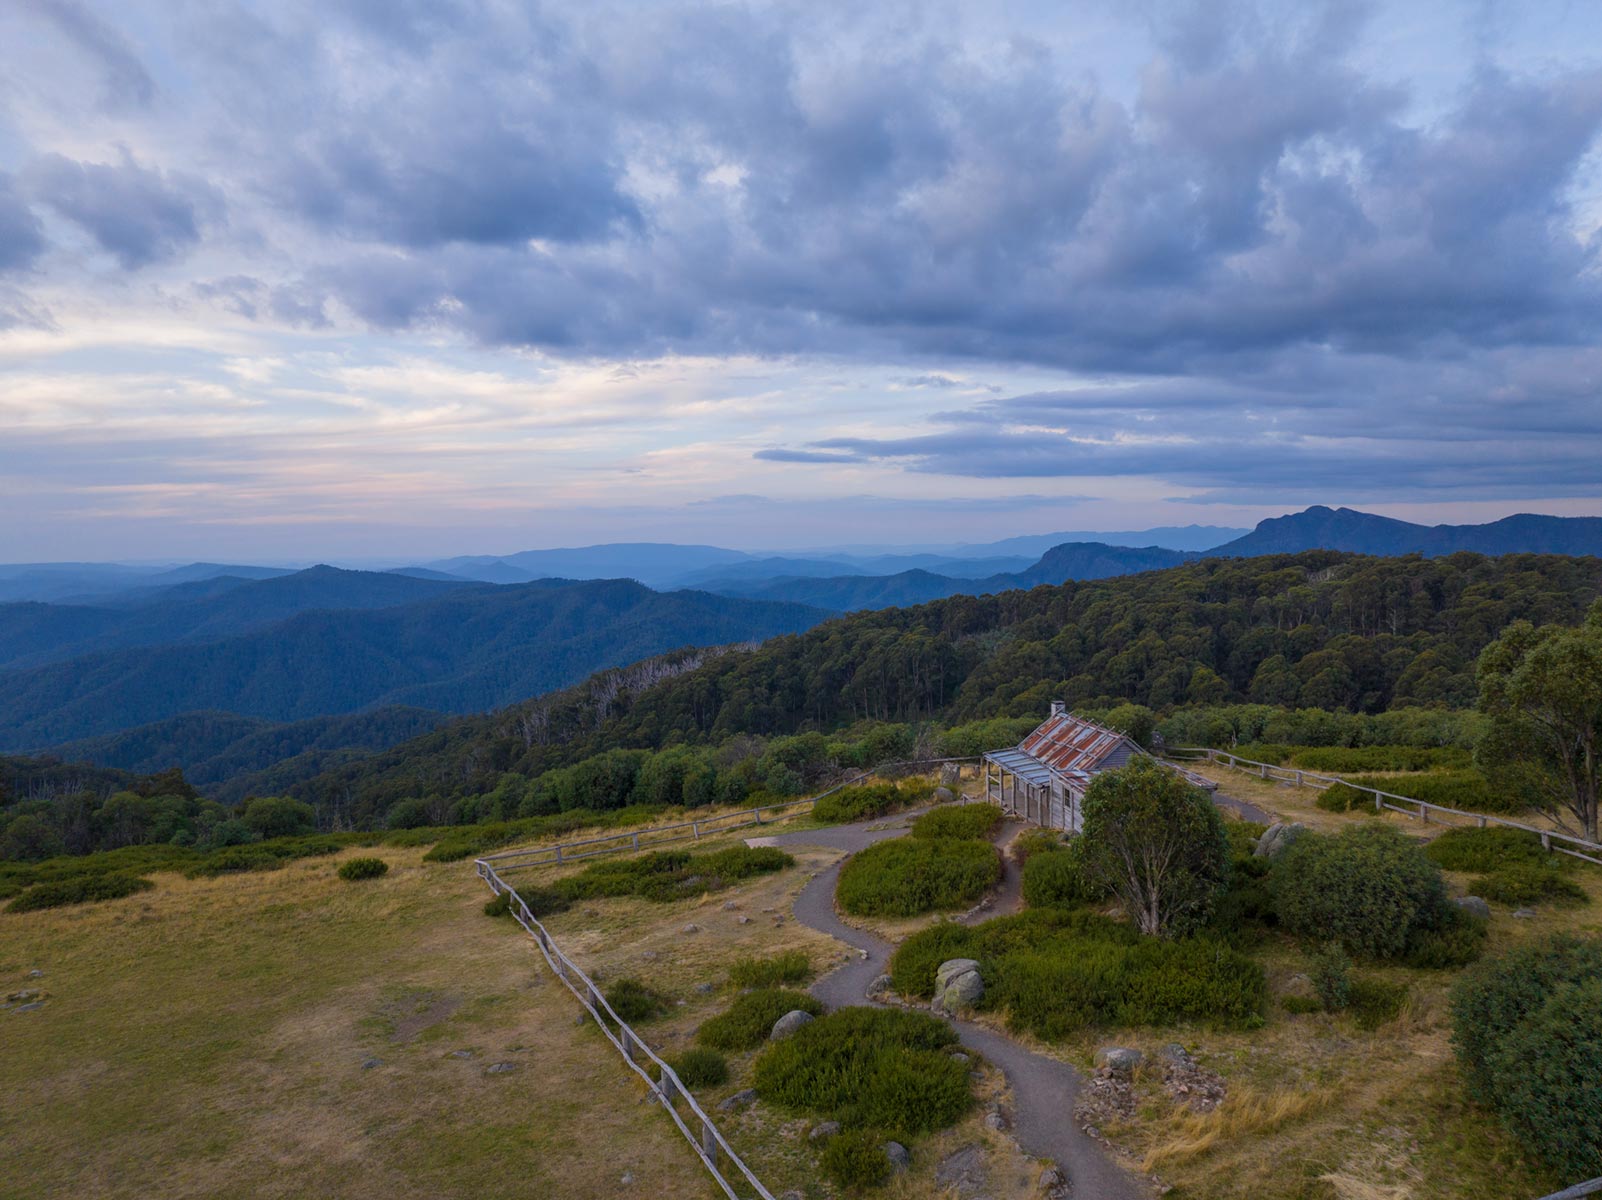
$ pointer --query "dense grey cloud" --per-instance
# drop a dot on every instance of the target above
(21, 240)
(124, 78)
(137, 214)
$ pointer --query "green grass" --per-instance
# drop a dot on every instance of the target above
(749, 1020)
(903, 877)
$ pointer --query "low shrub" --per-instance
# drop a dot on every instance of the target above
(1054, 972)
(1456, 941)
(1243, 837)
(1373, 1002)
(265, 856)
(667, 874)
(633, 1002)
(869, 1068)
(858, 803)
(1527, 1028)
(1466, 789)
(1331, 973)
(1342, 759)
(1488, 849)
(499, 905)
(700, 1067)
(1369, 887)
(903, 877)
(978, 821)
(1035, 841)
(791, 966)
(82, 890)
(455, 842)
(1524, 883)
(749, 1020)
(1343, 797)
(1057, 880)
(856, 1159)
(363, 868)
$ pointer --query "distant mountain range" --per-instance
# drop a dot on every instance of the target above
(468, 649)
(1320, 528)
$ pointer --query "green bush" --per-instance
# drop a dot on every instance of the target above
(869, 1068)
(700, 1067)
(668, 874)
(791, 966)
(1458, 940)
(903, 877)
(1524, 883)
(82, 890)
(1342, 797)
(633, 1002)
(1035, 841)
(1057, 880)
(1464, 789)
(862, 802)
(856, 1159)
(1331, 974)
(1373, 1002)
(1488, 849)
(979, 821)
(1546, 1072)
(363, 868)
(1334, 760)
(749, 1020)
(499, 905)
(1054, 972)
(453, 843)
(1369, 887)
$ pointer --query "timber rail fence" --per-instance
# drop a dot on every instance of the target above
(663, 1081)
(1384, 800)
(660, 835)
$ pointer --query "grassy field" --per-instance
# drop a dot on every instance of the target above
(208, 1039)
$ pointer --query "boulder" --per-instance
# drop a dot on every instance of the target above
(950, 774)
(1475, 905)
(900, 1157)
(740, 1099)
(1176, 1054)
(944, 795)
(1277, 837)
(1052, 1181)
(823, 1131)
(789, 1023)
(881, 986)
(962, 1174)
(958, 985)
(500, 1068)
(1120, 1060)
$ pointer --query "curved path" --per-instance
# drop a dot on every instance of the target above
(1044, 1089)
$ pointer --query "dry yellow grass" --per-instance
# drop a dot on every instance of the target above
(1245, 1112)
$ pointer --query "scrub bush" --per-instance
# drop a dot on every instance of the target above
(856, 1159)
(1523, 883)
(499, 905)
(81, 890)
(632, 1001)
(699, 1067)
(859, 803)
(1331, 974)
(1035, 841)
(363, 868)
(792, 966)
(903, 877)
(1488, 849)
(1456, 941)
(1057, 880)
(749, 1020)
(961, 821)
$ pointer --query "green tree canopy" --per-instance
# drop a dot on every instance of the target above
(1158, 843)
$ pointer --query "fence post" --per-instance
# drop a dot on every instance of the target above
(628, 1044)
(1423, 812)
(636, 841)
(1481, 822)
(709, 1142)
(665, 1086)
(1546, 842)
(1298, 778)
(756, 814)
(1379, 805)
(695, 828)
(558, 853)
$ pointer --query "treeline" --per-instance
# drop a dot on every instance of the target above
(1334, 632)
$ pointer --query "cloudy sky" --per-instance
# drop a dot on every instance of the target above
(396, 278)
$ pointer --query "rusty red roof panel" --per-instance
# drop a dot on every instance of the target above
(1069, 743)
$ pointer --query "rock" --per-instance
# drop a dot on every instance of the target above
(1121, 1060)
(741, 1099)
(1277, 837)
(36, 973)
(959, 1056)
(789, 1023)
(823, 1131)
(1475, 905)
(461, 1054)
(649, 956)
(900, 1157)
(742, 919)
(958, 985)
(1524, 914)
(706, 989)
(944, 795)
(881, 986)
(30, 1007)
(1176, 1054)
(997, 1120)
(729, 906)
(499, 1068)
(580, 1018)
(369, 1064)
(692, 927)
(24, 996)
(628, 1178)
(950, 774)
(962, 1174)
(1052, 1181)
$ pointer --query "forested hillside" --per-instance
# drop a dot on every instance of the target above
(469, 650)
(1319, 629)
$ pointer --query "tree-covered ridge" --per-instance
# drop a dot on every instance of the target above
(1319, 629)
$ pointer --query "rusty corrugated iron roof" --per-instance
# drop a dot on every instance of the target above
(1072, 744)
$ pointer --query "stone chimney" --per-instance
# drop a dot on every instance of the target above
(1058, 708)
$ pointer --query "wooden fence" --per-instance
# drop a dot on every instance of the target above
(1590, 1187)
(660, 835)
(1405, 805)
(725, 1166)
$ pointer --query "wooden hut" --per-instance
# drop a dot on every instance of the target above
(1044, 777)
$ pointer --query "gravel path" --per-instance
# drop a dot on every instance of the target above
(1044, 1089)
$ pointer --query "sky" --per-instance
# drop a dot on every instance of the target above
(410, 278)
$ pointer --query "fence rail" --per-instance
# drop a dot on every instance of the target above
(1383, 800)
(1589, 1188)
(707, 1141)
(660, 835)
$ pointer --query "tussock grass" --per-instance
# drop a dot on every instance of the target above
(1245, 1112)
